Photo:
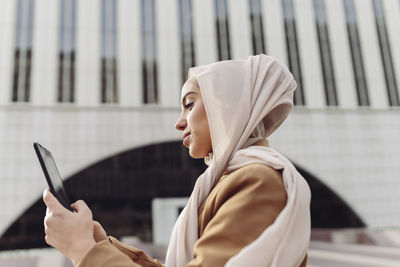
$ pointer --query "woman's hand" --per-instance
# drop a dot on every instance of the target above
(72, 233)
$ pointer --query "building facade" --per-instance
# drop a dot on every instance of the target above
(92, 79)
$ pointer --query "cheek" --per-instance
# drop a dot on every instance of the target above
(198, 121)
(201, 129)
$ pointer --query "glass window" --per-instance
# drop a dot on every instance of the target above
(221, 14)
(186, 34)
(109, 90)
(386, 53)
(356, 53)
(257, 33)
(66, 44)
(149, 62)
(325, 53)
(23, 51)
(293, 49)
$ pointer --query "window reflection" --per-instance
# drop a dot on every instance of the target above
(221, 12)
(386, 53)
(257, 33)
(109, 91)
(186, 34)
(23, 51)
(149, 62)
(356, 54)
(325, 53)
(66, 67)
(292, 49)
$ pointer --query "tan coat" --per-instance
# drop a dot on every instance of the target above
(239, 208)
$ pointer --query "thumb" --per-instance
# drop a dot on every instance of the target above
(51, 201)
(99, 233)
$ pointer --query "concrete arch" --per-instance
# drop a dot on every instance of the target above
(119, 189)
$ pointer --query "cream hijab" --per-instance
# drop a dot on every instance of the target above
(245, 101)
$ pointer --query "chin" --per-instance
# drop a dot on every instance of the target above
(195, 154)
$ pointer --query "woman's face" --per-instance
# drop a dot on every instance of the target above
(193, 122)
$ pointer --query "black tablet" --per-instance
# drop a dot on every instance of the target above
(52, 175)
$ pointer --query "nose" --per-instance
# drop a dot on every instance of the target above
(181, 123)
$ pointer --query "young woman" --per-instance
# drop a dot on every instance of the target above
(249, 208)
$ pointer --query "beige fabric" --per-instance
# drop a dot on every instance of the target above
(235, 213)
(238, 95)
(113, 253)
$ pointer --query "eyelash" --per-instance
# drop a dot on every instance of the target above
(189, 105)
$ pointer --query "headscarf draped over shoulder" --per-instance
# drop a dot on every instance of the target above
(245, 101)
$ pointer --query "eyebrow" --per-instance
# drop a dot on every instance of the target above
(184, 97)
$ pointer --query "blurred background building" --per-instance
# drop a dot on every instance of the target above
(98, 83)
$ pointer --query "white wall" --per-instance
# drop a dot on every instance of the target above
(88, 53)
(45, 52)
(240, 29)
(274, 29)
(353, 152)
(168, 52)
(129, 53)
(204, 32)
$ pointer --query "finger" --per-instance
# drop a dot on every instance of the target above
(51, 201)
(99, 233)
(97, 225)
(48, 240)
(45, 192)
(80, 206)
(97, 228)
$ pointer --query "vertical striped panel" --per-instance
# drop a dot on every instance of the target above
(257, 30)
(45, 52)
(386, 54)
(187, 59)
(148, 50)
(370, 48)
(109, 35)
(7, 28)
(87, 62)
(341, 56)
(129, 67)
(356, 53)
(392, 13)
(274, 30)
(292, 49)
(66, 51)
(325, 52)
(168, 52)
(205, 39)
(309, 57)
(223, 31)
(22, 76)
(240, 34)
